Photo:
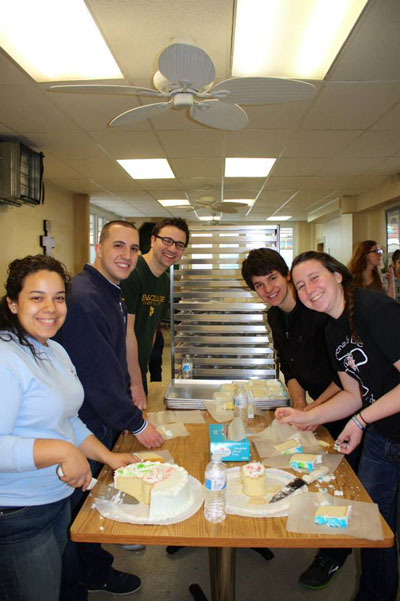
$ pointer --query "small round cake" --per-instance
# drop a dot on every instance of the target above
(253, 479)
(162, 486)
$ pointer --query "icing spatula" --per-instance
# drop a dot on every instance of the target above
(297, 483)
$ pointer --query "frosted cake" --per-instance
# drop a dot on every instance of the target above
(254, 481)
(162, 486)
(288, 447)
(334, 516)
(305, 461)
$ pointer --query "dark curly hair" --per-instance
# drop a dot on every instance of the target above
(333, 265)
(262, 261)
(18, 270)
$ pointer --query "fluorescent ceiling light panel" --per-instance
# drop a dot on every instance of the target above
(239, 167)
(174, 203)
(291, 38)
(147, 168)
(279, 218)
(244, 201)
(210, 217)
(55, 40)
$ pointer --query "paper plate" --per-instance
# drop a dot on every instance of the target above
(139, 514)
(237, 503)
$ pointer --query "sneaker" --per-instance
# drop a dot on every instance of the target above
(118, 583)
(172, 549)
(318, 575)
(264, 552)
(132, 547)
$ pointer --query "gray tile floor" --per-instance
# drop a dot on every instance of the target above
(167, 578)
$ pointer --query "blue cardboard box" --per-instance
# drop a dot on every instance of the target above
(230, 450)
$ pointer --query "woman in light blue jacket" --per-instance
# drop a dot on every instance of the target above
(39, 430)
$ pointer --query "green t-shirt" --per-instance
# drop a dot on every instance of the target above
(146, 297)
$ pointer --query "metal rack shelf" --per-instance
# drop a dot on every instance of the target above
(215, 318)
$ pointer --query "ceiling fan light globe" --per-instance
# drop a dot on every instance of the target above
(162, 84)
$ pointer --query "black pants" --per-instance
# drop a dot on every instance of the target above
(155, 364)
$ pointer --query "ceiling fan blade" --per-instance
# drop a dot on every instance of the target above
(220, 115)
(263, 90)
(187, 64)
(223, 207)
(140, 113)
(101, 89)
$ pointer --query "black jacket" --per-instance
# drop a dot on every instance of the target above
(299, 339)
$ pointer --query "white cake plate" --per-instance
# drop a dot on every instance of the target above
(237, 503)
(139, 514)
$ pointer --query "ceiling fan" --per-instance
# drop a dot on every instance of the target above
(213, 204)
(185, 79)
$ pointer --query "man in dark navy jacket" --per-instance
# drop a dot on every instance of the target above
(94, 336)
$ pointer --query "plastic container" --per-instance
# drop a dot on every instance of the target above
(241, 403)
(215, 491)
(187, 368)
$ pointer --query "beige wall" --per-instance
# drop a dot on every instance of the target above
(20, 228)
(350, 219)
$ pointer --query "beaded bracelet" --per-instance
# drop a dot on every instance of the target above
(358, 423)
(364, 420)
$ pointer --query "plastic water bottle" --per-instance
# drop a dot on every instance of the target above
(241, 403)
(215, 489)
(187, 368)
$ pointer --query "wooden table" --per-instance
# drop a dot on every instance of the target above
(192, 452)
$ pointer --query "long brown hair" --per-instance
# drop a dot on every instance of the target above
(333, 265)
(358, 264)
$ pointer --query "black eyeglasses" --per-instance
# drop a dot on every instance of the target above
(377, 251)
(170, 242)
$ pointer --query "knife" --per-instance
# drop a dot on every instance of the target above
(106, 492)
(297, 483)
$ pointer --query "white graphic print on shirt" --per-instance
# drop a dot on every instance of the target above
(351, 356)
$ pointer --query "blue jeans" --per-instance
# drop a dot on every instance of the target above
(85, 564)
(32, 540)
(379, 472)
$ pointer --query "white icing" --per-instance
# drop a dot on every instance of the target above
(253, 470)
(170, 493)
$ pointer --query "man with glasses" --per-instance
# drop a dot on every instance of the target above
(146, 294)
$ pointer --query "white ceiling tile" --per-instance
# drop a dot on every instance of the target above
(376, 37)
(374, 144)
(340, 165)
(342, 141)
(299, 166)
(25, 109)
(351, 105)
(319, 143)
(196, 167)
(73, 146)
(202, 143)
(122, 144)
(387, 167)
(390, 121)
(254, 143)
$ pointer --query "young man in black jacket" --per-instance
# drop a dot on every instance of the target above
(299, 341)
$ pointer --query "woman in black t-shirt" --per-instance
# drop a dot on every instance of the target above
(363, 340)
